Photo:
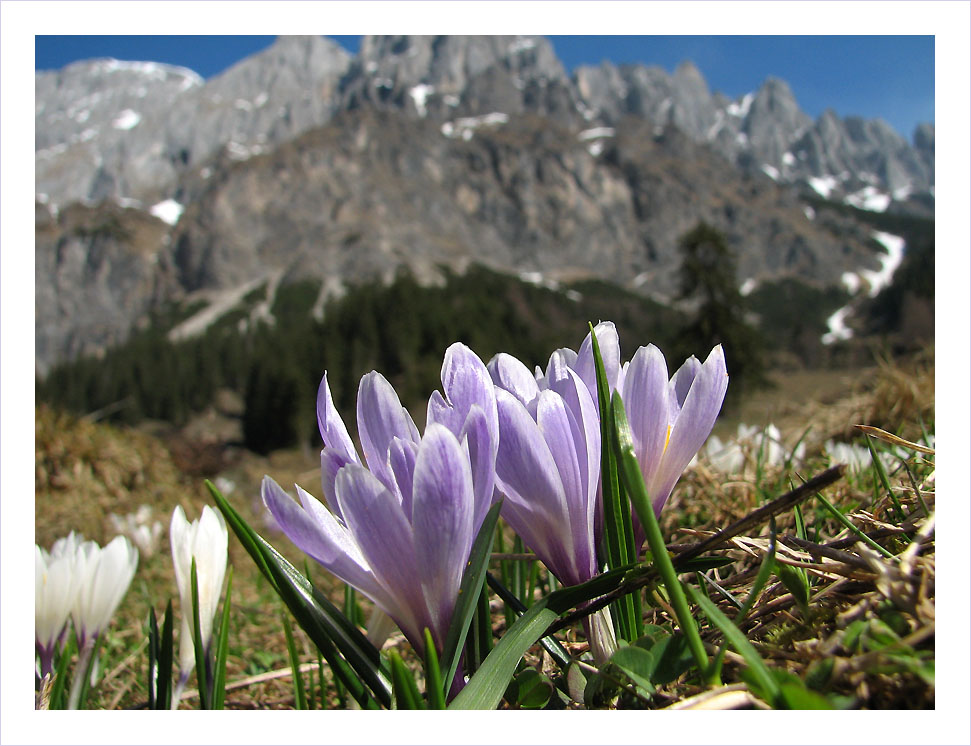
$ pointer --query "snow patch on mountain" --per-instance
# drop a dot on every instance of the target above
(595, 133)
(168, 211)
(823, 185)
(741, 108)
(466, 126)
(126, 120)
(771, 171)
(879, 279)
(869, 198)
(851, 281)
(419, 94)
(838, 330)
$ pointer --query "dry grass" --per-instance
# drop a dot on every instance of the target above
(85, 471)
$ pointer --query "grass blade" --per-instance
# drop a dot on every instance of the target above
(166, 657)
(487, 686)
(882, 476)
(160, 660)
(737, 640)
(838, 515)
(478, 643)
(552, 645)
(761, 578)
(222, 649)
(152, 656)
(202, 666)
(299, 695)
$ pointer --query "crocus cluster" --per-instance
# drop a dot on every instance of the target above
(857, 458)
(399, 523)
(83, 581)
(751, 445)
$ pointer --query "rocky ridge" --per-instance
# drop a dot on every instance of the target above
(420, 152)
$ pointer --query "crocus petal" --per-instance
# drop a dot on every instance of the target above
(106, 576)
(442, 413)
(385, 537)
(206, 541)
(509, 374)
(401, 459)
(681, 381)
(586, 435)
(210, 549)
(466, 382)
(560, 362)
(609, 344)
(647, 407)
(526, 473)
(442, 522)
(380, 417)
(693, 426)
(482, 458)
(332, 429)
(554, 421)
(313, 529)
(181, 554)
(332, 460)
(55, 594)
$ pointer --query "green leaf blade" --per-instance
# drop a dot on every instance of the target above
(356, 663)
(473, 580)
(618, 535)
(630, 471)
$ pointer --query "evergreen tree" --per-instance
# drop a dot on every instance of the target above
(707, 277)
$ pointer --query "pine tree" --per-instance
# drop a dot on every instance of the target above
(707, 277)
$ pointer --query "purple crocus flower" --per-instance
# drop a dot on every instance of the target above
(548, 467)
(670, 419)
(400, 530)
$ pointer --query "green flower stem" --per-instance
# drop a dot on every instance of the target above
(634, 483)
(81, 672)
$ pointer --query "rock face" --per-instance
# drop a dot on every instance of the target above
(421, 152)
(121, 130)
(98, 271)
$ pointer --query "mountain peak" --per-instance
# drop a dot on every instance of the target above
(308, 57)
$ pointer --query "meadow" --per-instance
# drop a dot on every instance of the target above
(801, 598)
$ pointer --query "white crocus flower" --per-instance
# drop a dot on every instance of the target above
(206, 540)
(102, 577)
(140, 528)
(54, 597)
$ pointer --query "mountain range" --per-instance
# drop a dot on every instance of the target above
(154, 186)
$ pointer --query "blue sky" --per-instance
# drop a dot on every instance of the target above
(890, 77)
